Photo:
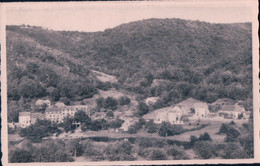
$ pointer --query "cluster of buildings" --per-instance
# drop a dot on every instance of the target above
(195, 110)
(53, 113)
(177, 114)
(234, 112)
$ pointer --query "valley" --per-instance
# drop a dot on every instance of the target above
(156, 89)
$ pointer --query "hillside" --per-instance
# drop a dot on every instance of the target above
(202, 60)
(193, 59)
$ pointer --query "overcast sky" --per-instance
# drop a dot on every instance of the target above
(91, 17)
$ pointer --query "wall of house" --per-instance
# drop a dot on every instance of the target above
(25, 120)
(201, 112)
(53, 116)
(174, 118)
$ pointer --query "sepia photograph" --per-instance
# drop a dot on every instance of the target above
(129, 81)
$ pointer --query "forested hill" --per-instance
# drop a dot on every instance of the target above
(170, 58)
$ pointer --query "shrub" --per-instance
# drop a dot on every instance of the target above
(167, 129)
(104, 85)
(193, 139)
(145, 153)
(145, 143)
(232, 135)
(110, 114)
(158, 155)
(110, 103)
(119, 151)
(151, 127)
(20, 156)
(135, 127)
(39, 130)
(205, 149)
(100, 102)
(247, 142)
(11, 130)
(124, 100)
(132, 130)
(159, 143)
(95, 125)
(116, 123)
(142, 109)
(223, 129)
(234, 151)
(205, 137)
(177, 153)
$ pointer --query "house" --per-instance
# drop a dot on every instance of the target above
(12, 125)
(24, 119)
(235, 111)
(189, 105)
(201, 110)
(168, 114)
(57, 114)
(28, 118)
(174, 116)
(54, 114)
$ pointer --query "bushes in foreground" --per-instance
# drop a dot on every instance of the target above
(48, 152)
(39, 130)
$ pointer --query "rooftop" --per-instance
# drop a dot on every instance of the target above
(24, 113)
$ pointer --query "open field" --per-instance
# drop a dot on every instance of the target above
(104, 77)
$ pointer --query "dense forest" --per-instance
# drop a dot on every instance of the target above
(172, 59)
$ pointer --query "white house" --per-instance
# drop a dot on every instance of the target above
(168, 114)
(24, 119)
(174, 115)
(28, 118)
(234, 111)
(13, 125)
(57, 114)
(201, 110)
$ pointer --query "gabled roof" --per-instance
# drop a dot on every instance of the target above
(200, 105)
(236, 107)
(228, 107)
(24, 113)
(53, 110)
(37, 115)
(192, 103)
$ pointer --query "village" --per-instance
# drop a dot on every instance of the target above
(186, 112)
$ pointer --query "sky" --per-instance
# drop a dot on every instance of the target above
(92, 17)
